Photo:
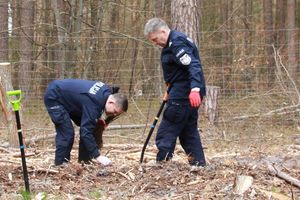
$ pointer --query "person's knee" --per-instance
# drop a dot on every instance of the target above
(64, 142)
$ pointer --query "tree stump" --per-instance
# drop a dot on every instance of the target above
(8, 116)
(211, 103)
(242, 184)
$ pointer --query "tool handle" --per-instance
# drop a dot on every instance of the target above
(151, 130)
(14, 102)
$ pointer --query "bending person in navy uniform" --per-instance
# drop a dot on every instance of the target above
(182, 70)
(83, 102)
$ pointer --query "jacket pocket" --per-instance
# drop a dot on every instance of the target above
(57, 114)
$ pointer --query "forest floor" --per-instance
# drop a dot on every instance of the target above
(128, 179)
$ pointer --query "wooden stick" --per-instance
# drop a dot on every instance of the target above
(18, 155)
(9, 161)
(124, 175)
(47, 171)
(275, 170)
(5, 150)
(279, 111)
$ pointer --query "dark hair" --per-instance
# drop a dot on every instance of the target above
(115, 89)
(121, 100)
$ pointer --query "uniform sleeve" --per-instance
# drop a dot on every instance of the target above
(88, 124)
(185, 57)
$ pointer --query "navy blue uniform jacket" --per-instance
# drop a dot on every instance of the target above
(85, 102)
(182, 66)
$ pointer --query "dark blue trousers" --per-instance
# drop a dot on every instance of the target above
(180, 120)
(64, 138)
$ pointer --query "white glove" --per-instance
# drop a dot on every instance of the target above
(103, 160)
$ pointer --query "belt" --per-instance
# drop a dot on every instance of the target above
(179, 102)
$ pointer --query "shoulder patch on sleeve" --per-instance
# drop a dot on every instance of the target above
(185, 59)
(180, 52)
(189, 39)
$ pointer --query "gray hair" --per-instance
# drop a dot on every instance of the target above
(153, 25)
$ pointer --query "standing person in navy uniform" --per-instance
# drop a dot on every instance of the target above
(183, 73)
(83, 102)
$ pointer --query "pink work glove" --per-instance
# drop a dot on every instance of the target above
(195, 99)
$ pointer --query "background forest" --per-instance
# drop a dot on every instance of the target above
(249, 49)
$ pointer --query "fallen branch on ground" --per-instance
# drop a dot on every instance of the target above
(111, 127)
(47, 171)
(276, 171)
(280, 111)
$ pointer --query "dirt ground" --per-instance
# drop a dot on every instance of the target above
(128, 179)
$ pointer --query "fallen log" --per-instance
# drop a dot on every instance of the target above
(109, 128)
(273, 194)
(276, 171)
(27, 154)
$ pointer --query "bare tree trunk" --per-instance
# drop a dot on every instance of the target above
(91, 54)
(61, 32)
(269, 38)
(226, 40)
(291, 37)
(157, 83)
(4, 31)
(8, 115)
(185, 18)
(26, 48)
(112, 51)
(133, 76)
(281, 9)
(79, 57)
(15, 40)
(162, 8)
(44, 62)
(248, 31)
(97, 13)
